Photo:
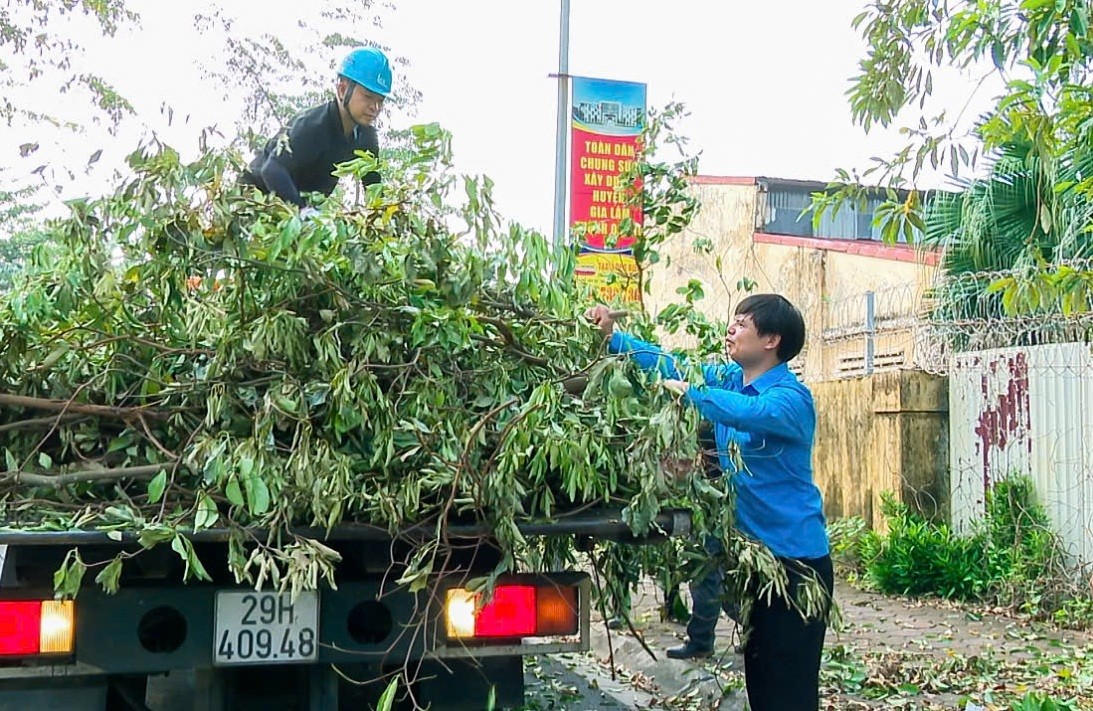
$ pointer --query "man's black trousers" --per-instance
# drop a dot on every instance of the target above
(782, 653)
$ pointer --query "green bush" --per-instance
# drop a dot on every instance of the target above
(918, 557)
(846, 536)
(1011, 558)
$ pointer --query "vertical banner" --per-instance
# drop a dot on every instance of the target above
(608, 117)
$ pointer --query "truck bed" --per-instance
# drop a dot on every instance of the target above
(603, 524)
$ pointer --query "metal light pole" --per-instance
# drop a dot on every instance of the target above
(560, 138)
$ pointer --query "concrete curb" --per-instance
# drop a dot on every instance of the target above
(713, 683)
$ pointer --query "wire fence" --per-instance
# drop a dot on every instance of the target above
(873, 331)
(924, 327)
(1017, 349)
(1018, 307)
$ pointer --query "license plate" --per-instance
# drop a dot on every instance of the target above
(266, 628)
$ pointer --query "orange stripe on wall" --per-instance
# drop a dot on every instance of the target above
(864, 248)
(721, 180)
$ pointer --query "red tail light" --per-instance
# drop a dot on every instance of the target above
(31, 627)
(510, 613)
(513, 611)
(20, 628)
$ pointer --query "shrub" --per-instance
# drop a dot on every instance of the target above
(1011, 558)
(918, 557)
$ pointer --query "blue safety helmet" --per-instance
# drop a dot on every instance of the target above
(368, 67)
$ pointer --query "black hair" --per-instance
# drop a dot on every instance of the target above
(774, 315)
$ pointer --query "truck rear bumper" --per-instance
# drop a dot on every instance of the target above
(71, 693)
(152, 630)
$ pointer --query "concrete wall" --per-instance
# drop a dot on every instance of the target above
(813, 278)
(727, 219)
(852, 274)
(887, 432)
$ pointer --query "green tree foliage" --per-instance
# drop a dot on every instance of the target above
(13, 255)
(1043, 51)
(53, 88)
(45, 83)
(1000, 234)
(38, 45)
(370, 365)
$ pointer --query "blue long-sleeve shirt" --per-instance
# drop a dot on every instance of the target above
(772, 420)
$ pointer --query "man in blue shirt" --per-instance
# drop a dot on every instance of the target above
(762, 410)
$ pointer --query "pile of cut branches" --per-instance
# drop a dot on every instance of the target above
(185, 355)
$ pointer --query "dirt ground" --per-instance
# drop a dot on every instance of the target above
(895, 652)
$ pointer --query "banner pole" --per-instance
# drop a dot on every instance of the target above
(560, 172)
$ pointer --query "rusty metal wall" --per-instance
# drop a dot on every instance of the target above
(1025, 411)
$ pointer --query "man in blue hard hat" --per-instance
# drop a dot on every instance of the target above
(302, 156)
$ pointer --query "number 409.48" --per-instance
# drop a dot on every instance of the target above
(260, 644)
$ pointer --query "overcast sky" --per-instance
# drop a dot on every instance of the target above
(765, 82)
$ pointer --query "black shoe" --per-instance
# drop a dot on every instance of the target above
(688, 651)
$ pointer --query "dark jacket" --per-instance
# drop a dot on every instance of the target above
(301, 157)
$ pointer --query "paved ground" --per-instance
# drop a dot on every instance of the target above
(891, 653)
(562, 682)
(577, 681)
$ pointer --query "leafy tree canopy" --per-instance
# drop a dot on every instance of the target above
(1041, 49)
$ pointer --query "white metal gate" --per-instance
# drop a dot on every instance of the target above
(1027, 411)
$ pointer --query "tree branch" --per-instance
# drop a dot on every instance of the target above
(57, 481)
(37, 422)
(67, 406)
(524, 355)
(510, 340)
